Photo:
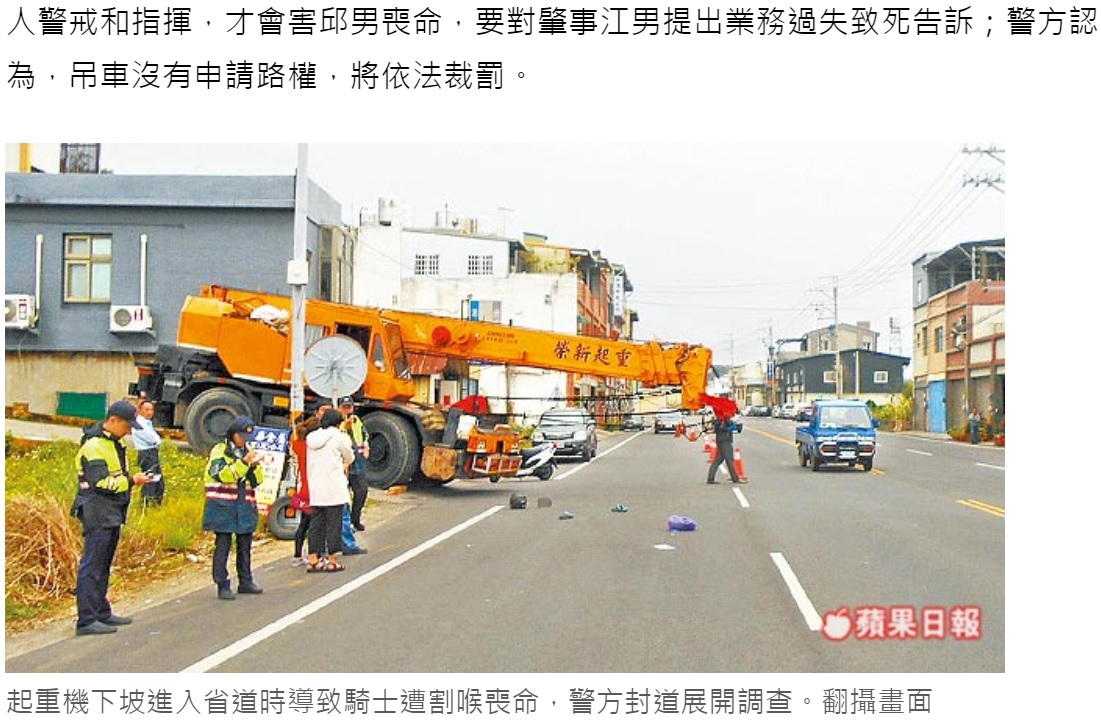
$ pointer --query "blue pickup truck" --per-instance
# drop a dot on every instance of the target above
(840, 432)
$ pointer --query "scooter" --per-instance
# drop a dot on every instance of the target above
(537, 461)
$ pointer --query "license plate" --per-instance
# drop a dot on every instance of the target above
(847, 455)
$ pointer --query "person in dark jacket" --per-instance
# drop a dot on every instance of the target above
(232, 475)
(725, 427)
(102, 501)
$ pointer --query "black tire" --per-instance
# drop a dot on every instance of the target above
(588, 454)
(279, 525)
(802, 456)
(544, 472)
(867, 465)
(815, 463)
(395, 450)
(209, 415)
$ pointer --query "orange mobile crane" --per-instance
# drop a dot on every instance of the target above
(226, 362)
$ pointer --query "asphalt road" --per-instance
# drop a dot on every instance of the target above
(459, 583)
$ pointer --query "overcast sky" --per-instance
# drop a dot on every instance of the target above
(723, 243)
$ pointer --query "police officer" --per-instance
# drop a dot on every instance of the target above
(357, 473)
(102, 499)
(232, 475)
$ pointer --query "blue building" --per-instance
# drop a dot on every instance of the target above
(97, 267)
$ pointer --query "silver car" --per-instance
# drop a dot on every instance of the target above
(572, 430)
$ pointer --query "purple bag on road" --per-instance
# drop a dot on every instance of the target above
(680, 522)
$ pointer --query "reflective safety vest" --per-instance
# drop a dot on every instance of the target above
(103, 485)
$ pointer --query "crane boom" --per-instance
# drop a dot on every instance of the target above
(651, 363)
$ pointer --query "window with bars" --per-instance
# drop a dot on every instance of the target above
(479, 264)
(426, 265)
(88, 268)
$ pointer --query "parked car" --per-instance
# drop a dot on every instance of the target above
(758, 411)
(803, 412)
(788, 411)
(572, 430)
(667, 422)
(633, 422)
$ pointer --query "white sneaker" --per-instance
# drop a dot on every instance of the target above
(299, 562)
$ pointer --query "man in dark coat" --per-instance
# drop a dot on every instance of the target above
(232, 475)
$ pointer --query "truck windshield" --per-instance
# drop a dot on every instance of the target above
(845, 418)
(397, 352)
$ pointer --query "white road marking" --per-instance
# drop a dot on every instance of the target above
(212, 661)
(581, 466)
(813, 619)
(992, 467)
(919, 452)
(741, 497)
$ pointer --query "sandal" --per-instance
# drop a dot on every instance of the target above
(317, 567)
(334, 567)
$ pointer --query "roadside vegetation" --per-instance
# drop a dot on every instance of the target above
(43, 542)
(899, 415)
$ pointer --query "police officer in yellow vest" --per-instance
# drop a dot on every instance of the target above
(357, 473)
(232, 474)
(102, 499)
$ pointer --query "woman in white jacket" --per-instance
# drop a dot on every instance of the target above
(329, 453)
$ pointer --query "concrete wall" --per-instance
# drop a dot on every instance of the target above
(37, 378)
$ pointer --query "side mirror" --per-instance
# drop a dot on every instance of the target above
(875, 422)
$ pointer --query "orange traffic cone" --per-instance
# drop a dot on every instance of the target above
(738, 466)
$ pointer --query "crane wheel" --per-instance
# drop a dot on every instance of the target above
(209, 415)
(395, 449)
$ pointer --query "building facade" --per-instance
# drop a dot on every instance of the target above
(959, 335)
(865, 375)
(107, 260)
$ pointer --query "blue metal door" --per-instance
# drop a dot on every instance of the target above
(938, 406)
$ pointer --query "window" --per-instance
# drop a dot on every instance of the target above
(829, 377)
(879, 377)
(938, 340)
(426, 265)
(88, 268)
(479, 264)
(925, 341)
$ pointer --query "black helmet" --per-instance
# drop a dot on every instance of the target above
(518, 501)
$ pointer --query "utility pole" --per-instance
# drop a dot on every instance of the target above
(990, 180)
(839, 386)
(298, 277)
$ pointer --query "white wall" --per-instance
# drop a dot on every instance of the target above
(453, 250)
(523, 298)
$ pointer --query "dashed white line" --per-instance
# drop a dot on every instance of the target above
(741, 497)
(992, 467)
(919, 452)
(212, 661)
(810, 615)
(612, 449)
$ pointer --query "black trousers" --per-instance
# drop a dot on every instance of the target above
(222, 541)
(725, 455)
(304, 520)
(358, 481)
(325, 527)
(94, 574)
(150, 462)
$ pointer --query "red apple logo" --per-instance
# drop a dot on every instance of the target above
(837, 624)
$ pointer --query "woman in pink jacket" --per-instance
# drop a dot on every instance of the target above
(329, 453)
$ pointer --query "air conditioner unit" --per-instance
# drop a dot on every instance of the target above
(131, 318)
(19, 312)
